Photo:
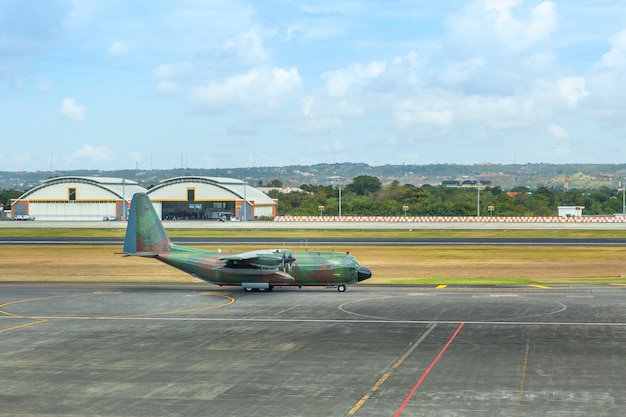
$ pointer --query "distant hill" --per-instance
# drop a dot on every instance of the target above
(589, 176)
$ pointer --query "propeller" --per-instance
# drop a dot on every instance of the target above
(287, 260)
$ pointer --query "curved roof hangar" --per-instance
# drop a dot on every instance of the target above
(77, 198)
(210, 196)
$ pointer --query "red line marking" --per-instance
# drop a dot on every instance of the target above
(425, 374)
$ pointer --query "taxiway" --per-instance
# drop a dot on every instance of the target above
(198, 350)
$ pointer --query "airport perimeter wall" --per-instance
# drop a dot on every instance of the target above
(450, 219)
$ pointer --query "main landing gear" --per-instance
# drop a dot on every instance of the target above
(262, 289)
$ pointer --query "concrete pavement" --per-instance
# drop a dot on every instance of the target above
(199, 350)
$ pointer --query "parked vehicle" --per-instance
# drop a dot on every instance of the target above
(23, 217)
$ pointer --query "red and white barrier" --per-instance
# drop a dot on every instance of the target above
(449, 219)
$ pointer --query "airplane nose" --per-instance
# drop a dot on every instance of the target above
(363, 273)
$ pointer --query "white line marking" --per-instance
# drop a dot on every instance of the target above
(345, 321)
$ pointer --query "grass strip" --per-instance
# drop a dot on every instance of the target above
(400, 233)
(451, 265)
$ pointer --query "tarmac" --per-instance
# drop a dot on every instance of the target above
(201, 350)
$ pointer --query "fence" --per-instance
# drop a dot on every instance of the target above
(450, 219)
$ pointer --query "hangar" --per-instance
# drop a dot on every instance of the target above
(98, 198)
(76, 198)
(210, 198)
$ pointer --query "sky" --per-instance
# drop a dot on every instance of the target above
(118, 84)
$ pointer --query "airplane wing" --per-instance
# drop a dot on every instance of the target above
(267, 255)
(260, 263)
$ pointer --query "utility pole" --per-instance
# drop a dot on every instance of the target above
(478, 199)
(124, 203)
(337, 179)
(339, 196)
(623, 198)
(245, 203)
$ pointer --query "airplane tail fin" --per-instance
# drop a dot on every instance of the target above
(145, 235)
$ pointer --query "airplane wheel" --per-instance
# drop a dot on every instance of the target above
(341, 288)
(270, 288)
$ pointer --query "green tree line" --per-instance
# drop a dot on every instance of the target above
(366, 196)
(7, 195)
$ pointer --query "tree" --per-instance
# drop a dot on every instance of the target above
(414, 195)
(289, 203)
(7, 195)
(364, 184)
(360, 206)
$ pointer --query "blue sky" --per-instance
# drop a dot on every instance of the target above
(115, 84)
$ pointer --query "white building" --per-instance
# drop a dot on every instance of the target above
(571, 211)
(196, 197)
(77, 198)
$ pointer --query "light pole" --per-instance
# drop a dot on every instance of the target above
(245, 203)
(339, 196)
(623, 198)
(478, 199)
(338, 179)
(124, 204)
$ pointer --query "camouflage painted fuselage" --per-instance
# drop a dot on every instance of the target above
(146, 237)
(306, 268)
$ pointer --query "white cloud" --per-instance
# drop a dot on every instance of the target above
(45, 85)
(319, 125)
(249, 47)
(119, 48)
(544, 21)
(461, 71)
(291, 32)
(409, 114)
(339, 82)
(220, 96)
(572, 90)
(283, 82)
(607, 76)
(256, 88)
(96, 153)
(167, 88)
(616, 57)
(83, 12)
(172, 71)
(557, 131)
(553, 96)
(72, 110)
(507, 24)
(307, 106)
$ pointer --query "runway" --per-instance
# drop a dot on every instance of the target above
(328, 241)
(199, 350)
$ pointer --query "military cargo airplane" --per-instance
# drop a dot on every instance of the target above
(257, 270)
